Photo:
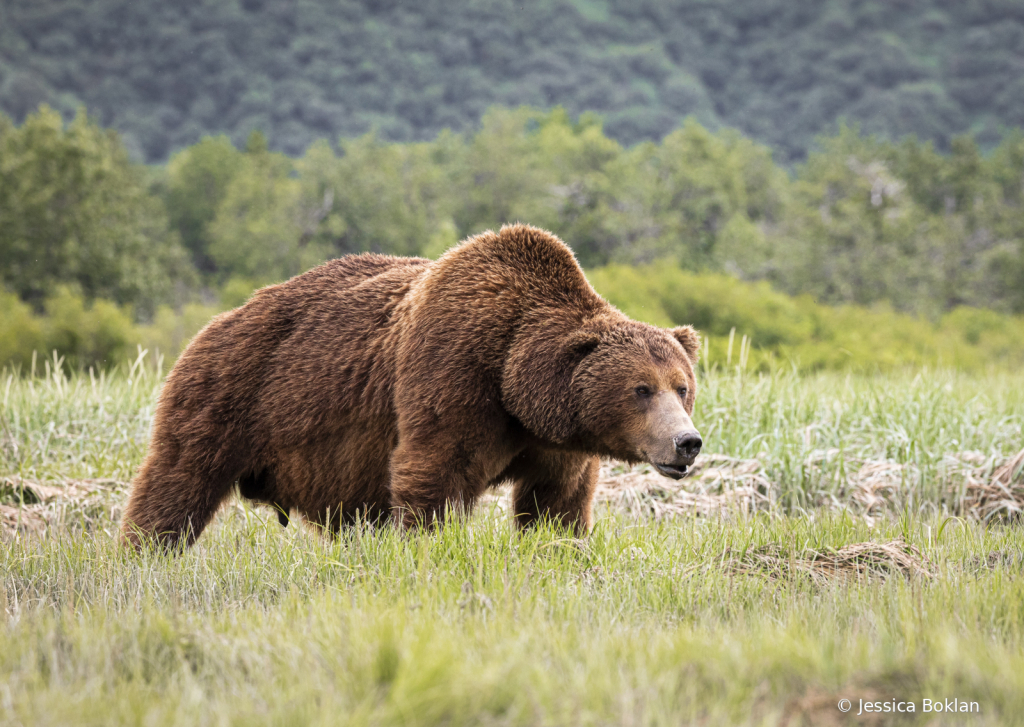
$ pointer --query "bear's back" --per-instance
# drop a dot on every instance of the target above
(343, 273)
(336, 359)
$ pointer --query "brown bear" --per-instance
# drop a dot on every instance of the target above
(373, 387)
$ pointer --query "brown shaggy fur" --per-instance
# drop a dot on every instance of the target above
(375, 386)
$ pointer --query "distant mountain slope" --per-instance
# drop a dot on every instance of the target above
(781, 71)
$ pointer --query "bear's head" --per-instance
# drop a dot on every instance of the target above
(634, 388)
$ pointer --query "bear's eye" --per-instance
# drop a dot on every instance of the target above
(643, 392)
(682, 392)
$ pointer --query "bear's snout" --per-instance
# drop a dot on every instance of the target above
(688, 444)
(672, 442)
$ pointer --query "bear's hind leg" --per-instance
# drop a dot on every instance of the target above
(552, 484)
(173, 497)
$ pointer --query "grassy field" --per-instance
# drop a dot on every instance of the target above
(770, 616)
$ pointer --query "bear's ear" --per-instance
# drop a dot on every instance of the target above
(580, 343)
(689, 339)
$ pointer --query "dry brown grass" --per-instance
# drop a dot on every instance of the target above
(716, 485)
(32, 507)
(978, 487)
(992, 489)
(857, 560)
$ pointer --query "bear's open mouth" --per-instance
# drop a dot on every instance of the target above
(675, 471)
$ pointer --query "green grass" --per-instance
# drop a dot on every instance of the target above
(642, 623)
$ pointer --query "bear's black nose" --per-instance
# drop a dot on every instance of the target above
(688, 444)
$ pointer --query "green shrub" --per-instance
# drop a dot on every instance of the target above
(992, 336)
(745, 324)
(171, 330)
(236, 291)
(20, 332)
(83, 334)
(97, 334)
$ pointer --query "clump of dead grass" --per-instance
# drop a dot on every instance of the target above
(716, 485)
(876, 485)
(854, 561)
(989, 489)
(28, 507)
(975, 486)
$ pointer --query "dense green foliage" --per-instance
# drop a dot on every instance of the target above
(780, 71)
(883, 231)
(863, 221)
(80, 333)
(74, 210)
(745, 324)
(643, 623)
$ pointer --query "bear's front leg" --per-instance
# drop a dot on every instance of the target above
(428, 482)
(558, 485)
(445, 468)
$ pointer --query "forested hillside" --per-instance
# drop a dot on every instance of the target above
(781, 71)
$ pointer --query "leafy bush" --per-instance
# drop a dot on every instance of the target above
(87, 334)
(747, 324)
(91, 334)
(171, 330)
(20, 332)
(82, 333)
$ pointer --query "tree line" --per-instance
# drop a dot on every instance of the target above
(863, 221)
